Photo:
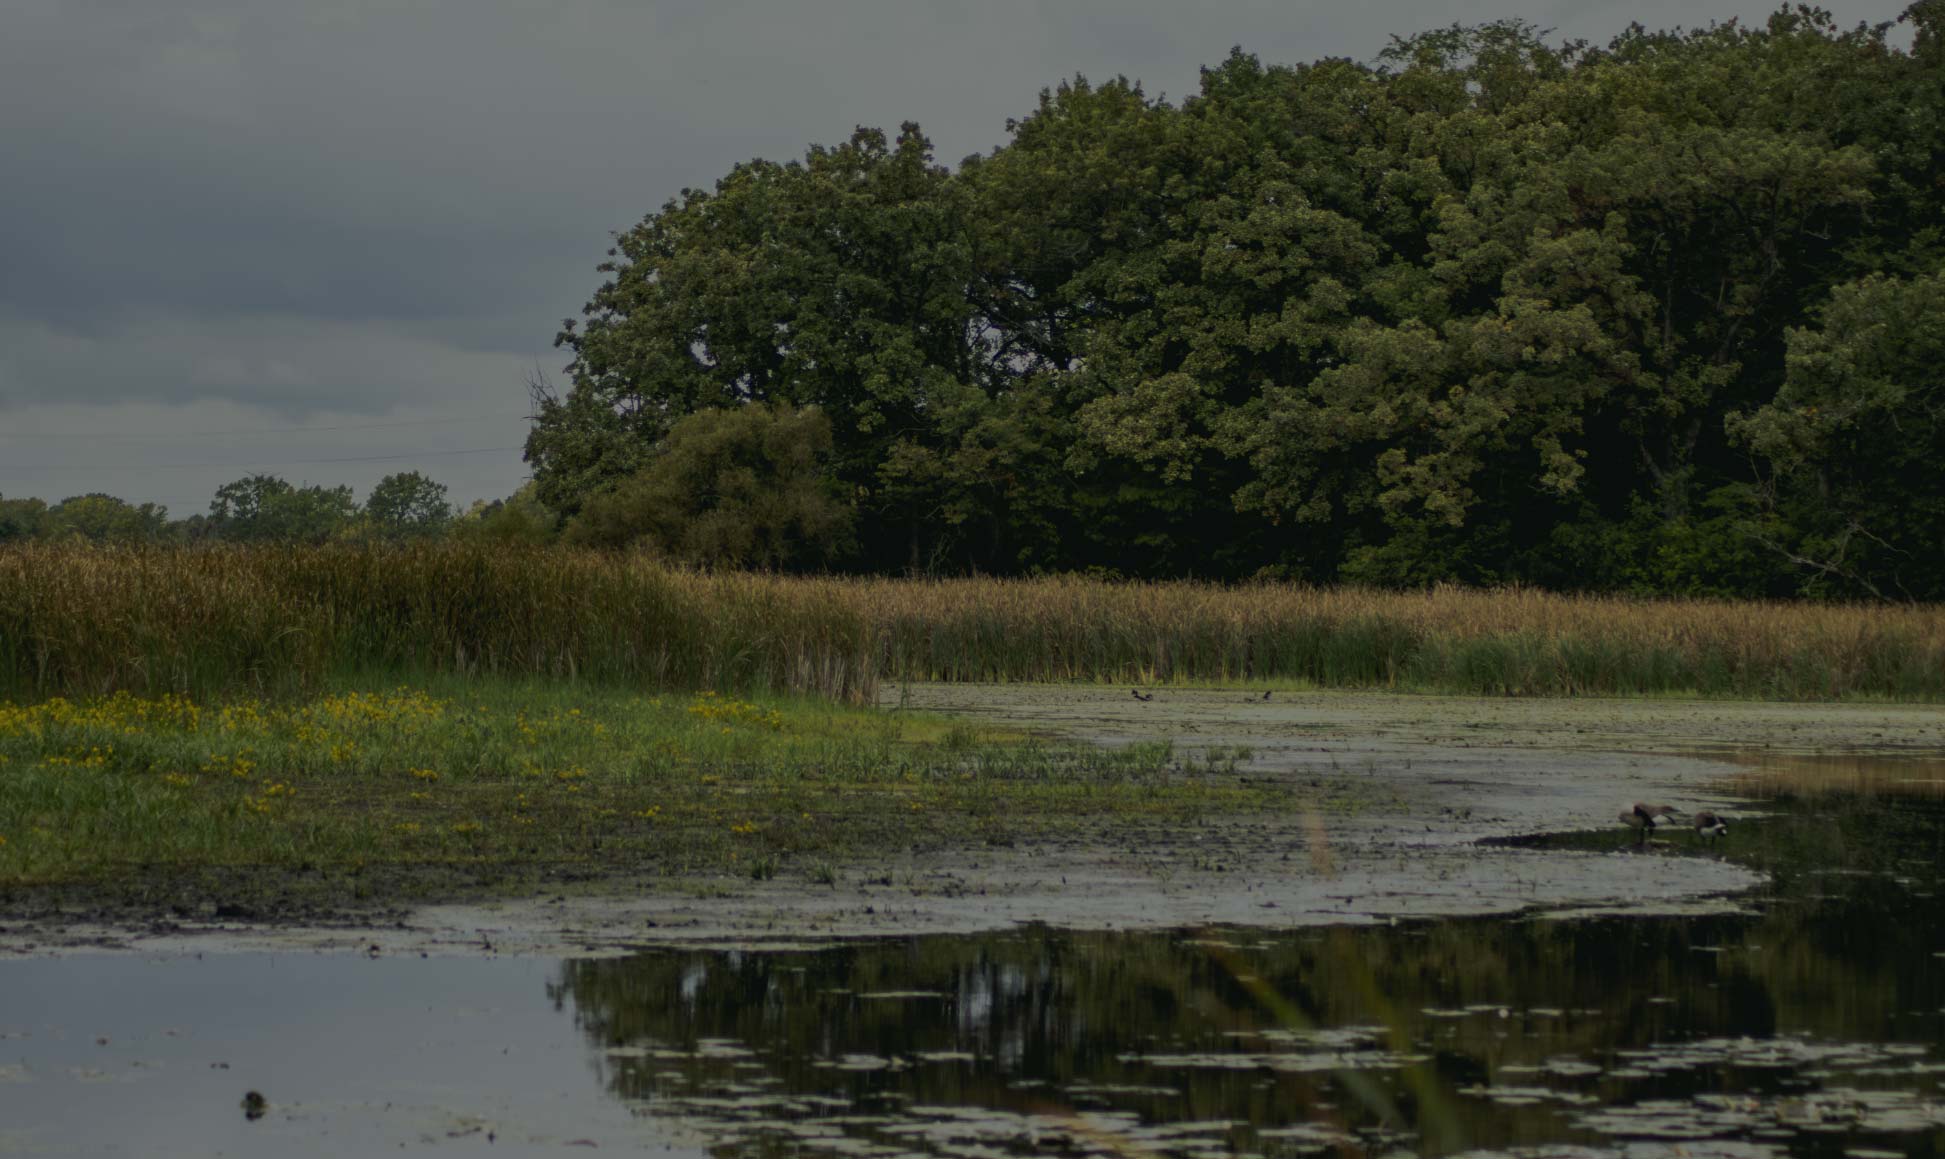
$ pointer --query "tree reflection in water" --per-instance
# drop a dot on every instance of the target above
(1810, 1025)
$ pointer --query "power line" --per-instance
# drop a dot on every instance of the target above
(258, 464)
(392, 458)
(264, 430)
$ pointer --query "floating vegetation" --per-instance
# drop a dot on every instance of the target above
(1841, 1110)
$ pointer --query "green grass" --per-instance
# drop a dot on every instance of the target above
(398, 793)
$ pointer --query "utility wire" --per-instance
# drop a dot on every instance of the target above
(391, 458)
(256, 465)
(264, 430)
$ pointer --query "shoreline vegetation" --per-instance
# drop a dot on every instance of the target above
(361, 797)
(216, 622)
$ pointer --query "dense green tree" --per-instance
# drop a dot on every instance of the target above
(520, 518)
(22, 519)
(739, 487)
(101, 518)
(1486, 309)
(407, 505)
(265, 508)
(1855, 498)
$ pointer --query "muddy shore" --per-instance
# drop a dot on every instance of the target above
(1415, 789)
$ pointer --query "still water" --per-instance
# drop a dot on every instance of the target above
(1812, 1025)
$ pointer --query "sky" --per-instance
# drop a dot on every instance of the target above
(330, 241)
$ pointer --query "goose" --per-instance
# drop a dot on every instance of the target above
(1709, 825)
(1642, 818)
(1139, 696)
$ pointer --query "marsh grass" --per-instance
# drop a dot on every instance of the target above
(79, 621)
(224, 620)
(511, 777)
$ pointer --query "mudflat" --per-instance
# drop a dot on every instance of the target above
(1409, 805)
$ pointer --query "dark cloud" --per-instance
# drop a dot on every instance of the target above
(301, 208)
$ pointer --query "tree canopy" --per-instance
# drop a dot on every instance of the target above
(1488, 309)
(738, 487)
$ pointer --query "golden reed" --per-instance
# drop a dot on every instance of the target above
(212, 620)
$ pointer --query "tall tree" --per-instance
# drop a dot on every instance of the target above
(407, 505)
(265, 508)
(1854, 498)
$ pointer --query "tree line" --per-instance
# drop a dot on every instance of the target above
(1663, 315)
(269, 509)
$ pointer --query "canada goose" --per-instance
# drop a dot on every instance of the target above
(1709, 825)
(1138, 695)
(1266, 693)
(1642, 818)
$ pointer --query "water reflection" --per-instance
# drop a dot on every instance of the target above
(1811, 1029)
(1771, 773)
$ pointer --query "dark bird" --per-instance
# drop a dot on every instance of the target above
(1642, 818)
(1709, 825)
(1266, 693)
(1138, 695)
(254, 1105)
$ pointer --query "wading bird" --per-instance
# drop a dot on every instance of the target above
(1642, 818)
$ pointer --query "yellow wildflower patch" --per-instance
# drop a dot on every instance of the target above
(711, 707)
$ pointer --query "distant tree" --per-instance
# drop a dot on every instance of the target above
(407, 505)
(103, 518)
(265, 508)
(520, 518)
(741, 487)
(22, 519)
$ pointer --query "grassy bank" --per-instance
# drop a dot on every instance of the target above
(77, 621)
(393, 793)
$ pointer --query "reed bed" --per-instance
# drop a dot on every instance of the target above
(88, 621)
(220, 620)
(1515, 642)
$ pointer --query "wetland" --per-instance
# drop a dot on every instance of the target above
(1445, 946)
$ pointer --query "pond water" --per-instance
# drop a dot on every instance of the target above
(1811, 1025)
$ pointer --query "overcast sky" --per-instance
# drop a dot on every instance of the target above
(332, 240)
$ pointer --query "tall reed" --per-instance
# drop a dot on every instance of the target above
(84, 620)
(206, 620)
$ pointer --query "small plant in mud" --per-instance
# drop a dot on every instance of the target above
(1216, 759)
(763, 868)
(823, 873)
(958, 739)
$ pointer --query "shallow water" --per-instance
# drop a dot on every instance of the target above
(1814, 1025)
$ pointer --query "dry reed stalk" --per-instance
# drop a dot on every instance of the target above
(213, 620)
